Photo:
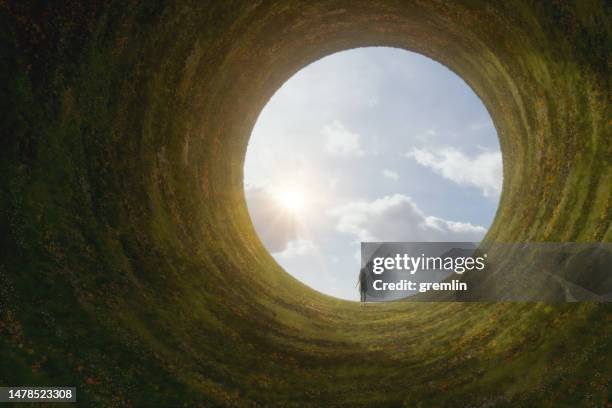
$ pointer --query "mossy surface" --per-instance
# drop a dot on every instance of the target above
(129, 267)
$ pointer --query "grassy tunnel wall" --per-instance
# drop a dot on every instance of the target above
(129, 266)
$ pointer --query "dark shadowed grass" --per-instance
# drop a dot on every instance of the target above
(129, 267)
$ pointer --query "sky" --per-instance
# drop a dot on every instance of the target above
(365, 145)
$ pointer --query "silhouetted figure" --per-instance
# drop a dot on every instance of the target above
(363, 284)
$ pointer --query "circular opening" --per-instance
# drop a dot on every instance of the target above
(369, 144)
(128, 248)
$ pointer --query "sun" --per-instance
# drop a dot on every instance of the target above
(291, 200)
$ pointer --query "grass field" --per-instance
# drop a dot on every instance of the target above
(129, 267)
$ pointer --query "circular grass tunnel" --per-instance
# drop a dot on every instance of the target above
(129, 264)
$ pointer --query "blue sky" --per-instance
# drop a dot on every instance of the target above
(363, 145)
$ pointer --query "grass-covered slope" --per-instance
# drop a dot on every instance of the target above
(128, 264)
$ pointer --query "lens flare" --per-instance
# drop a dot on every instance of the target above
(291, 200)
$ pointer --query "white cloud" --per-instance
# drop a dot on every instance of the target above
(340, 141)
(426, 136)
(397, 218)
(390, 174)
(296, 247)
(274, 230)
(483, 171)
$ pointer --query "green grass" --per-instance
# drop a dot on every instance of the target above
(129, 267)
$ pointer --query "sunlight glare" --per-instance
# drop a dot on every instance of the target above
(291, 200)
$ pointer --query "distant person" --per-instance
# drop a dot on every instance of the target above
(363, 284)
